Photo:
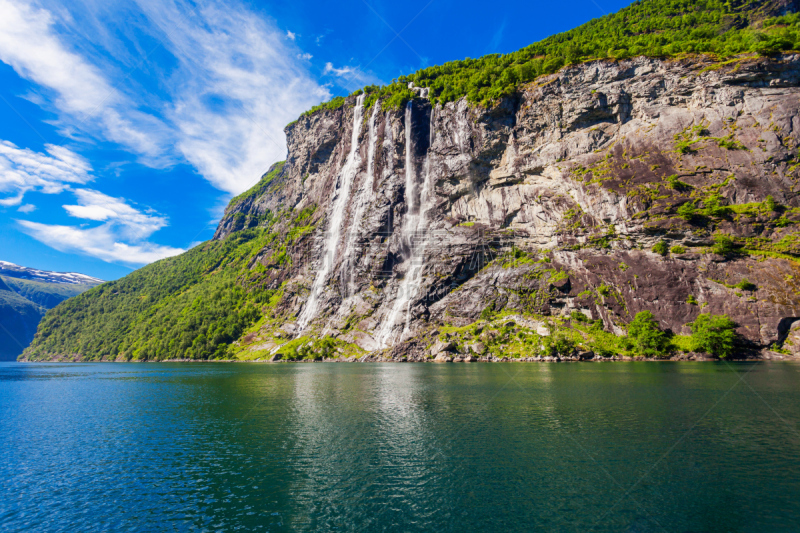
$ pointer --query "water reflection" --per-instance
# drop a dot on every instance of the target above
(517, 447)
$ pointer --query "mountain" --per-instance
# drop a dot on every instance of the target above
(10, 270)
(510, 205)
(25, 295)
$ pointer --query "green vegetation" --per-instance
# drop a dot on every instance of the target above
(557, 344)
(516, 257)
(647, 336)
(724, 245)
(687, 211)
(47, 295)
(311, 349)
(18, 318)
(714, 334)
(604, 290)
(661, 248)
(729, 143)
(261, 187)
(191, 306)
(654, 28)
(771, 204)
(678, 249)
(334, 103)
(502, 337)
(488, 312)
(745, 285)
(677, 185)
(23, 302)
(714, 206)
(681, 343)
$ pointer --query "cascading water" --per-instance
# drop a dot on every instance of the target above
(362, 200)
(335, 220)
(412, 238)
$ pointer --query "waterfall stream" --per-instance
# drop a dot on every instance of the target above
(335, 220)
(413, 236)
(363, 198)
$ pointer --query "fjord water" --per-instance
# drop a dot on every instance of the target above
(372, 447)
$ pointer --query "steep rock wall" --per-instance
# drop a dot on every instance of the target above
(548, 203)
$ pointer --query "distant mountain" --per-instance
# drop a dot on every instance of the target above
(10, 270)
(25, 295)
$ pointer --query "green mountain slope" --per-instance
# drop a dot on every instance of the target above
(191, 306)
(18, 320)
(25, 295)
(47, 295)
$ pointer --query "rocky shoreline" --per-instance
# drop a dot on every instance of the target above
(585, 357)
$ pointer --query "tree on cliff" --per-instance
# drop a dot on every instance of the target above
(714, 334)
(647, 336)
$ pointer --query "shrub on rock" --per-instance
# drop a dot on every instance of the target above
(647, 336)
(714, 334)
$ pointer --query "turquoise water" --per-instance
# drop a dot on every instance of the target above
(633, 447)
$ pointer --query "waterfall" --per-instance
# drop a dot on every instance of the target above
(412, 236)
(335, 220)
(363, 199)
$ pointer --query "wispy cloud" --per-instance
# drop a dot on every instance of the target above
(122, 236)
(351, 75)
(236, 81)
(497, 38)
(94, 205)
(229, 84)
(100, 242)
(81, 94)
(239, 84)
(23, 170)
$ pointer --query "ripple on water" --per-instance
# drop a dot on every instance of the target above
(399, 447)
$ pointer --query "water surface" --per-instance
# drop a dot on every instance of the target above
(391, 447)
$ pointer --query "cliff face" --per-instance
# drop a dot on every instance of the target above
(549, 203)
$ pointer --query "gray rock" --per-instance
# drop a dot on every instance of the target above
(550, 171)
(478, 348)
(442, 346)
(792, 341)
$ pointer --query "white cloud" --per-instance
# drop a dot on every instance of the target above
(243, 64)
(132, 223)
(122, 236)
(100, 242)
(351, 75)
(29, 43)
(235, 82)
(220, 103)
(23, 170)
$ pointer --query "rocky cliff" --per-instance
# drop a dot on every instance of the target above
(426, 218)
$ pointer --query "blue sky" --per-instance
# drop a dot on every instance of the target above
(126, 126)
